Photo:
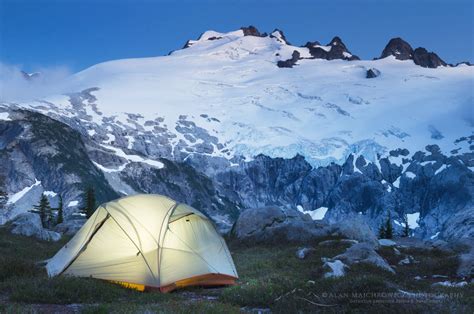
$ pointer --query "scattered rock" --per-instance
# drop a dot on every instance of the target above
(450, 284)
(304, 252)
(387, 242)
(407, 260)
(29, 224)
(334, 269)
(363, 253)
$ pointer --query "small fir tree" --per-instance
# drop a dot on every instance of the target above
(389, 227)
(89, 202)
(406, 227)
(43, 209)
(60, 217)
(3, 194)
(382, 231)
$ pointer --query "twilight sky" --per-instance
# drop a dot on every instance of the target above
(38, 34)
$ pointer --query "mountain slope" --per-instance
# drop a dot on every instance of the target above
(222, 125)
(225, 96)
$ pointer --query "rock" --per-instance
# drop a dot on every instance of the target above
(363, 253)
(70, 227)
(427, 59)
(289, 63)
(251, 31)
(450, 284)
(272, 224)
(387, 242)
(334, 242)
(29, 224)
(334, 269)
(417, 278)
(396, 251)
(372, 73)
(398, 48)
(335, 49)
(402, 50)
(355, 228)
(302, 253)
(407, 260)
(466, 265)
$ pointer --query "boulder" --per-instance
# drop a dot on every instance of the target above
(29, 224)
(335, 268)
(70, 227)
(387, 242)
(466, 265)
(372, 73)
(355, 228)
(272, 224)
(302, 253)
(363, 253)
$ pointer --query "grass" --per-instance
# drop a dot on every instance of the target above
(271, 277)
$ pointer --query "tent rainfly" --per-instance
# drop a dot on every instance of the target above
(147, 241)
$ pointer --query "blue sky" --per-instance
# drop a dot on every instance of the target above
(77, 34)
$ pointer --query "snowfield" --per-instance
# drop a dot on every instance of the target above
(231, 88)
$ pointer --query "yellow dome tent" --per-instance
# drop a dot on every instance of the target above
(147, 241)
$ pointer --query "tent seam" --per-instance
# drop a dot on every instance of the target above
(139, 250)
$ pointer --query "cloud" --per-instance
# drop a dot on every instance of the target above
(15, 87)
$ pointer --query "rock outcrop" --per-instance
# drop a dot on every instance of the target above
(273, 224)
(402, 50)
(363, 253)
(289, 63)
(335, 49)
(29, 224)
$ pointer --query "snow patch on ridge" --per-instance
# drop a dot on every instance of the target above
(12, 199)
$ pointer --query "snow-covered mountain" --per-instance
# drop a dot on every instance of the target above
(227, 97)
(228, 87)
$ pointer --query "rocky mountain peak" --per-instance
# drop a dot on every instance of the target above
(402, 50)
(251, 31)
(337, 41)
(427, 59)
(335, 49)
(398, 48)
(278, 34)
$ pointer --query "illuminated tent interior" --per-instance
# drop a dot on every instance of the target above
(147, 241)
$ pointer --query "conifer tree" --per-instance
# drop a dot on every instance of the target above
(382, 231)
(388, 227)
(43, 209)
(60, 217)
(89, 202)
(3, 194)
(406, 229)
